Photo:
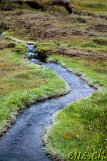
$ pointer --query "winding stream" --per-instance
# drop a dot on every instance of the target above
(23, 141)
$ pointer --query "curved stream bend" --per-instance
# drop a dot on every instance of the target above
(23, 142)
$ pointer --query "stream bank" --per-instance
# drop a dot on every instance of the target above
(23, 141)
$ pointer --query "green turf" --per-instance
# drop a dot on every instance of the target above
(82, 126)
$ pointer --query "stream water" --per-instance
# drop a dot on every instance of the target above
(23, 141)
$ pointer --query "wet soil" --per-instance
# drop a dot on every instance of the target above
(23, 142)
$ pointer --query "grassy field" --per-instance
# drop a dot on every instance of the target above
(82, 126)
(80, 41)
(22, 82)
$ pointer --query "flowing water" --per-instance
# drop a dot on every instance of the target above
(23, 141)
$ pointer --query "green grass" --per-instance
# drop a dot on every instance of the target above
(82, 126)
(96, 44)
(96, 6)
(9, 6)
(89, 67)
(22, 82)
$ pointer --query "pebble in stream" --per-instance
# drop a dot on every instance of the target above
(23, 141)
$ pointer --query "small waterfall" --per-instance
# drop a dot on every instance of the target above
(32, 51)
(35, 56)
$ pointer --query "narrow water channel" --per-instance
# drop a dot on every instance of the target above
(23, 141)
